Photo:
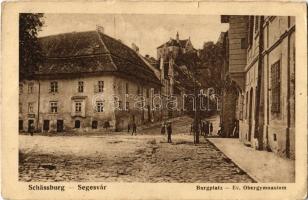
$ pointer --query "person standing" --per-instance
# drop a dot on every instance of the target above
(163, 128)
(202, 128)
(206, 128)
(134, 128)
(169, 131)
(211, 128)
(128, 127)
(31, 129)
(191, 128)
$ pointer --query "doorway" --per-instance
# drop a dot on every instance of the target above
(46, 125)
(21, 125)
(59, 125)
(30, 124)
(77, 124)
(149, 113)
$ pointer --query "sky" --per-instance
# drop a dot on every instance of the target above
(147, 31)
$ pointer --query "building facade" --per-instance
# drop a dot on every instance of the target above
(265, 106)
(235, 50)
(88, 81)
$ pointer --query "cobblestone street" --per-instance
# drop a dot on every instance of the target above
(121, 157)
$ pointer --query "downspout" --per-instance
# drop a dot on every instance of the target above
(288, 99)
(258, 133)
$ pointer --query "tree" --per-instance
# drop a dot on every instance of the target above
(211, 58)
(192, 62)
(30, 54)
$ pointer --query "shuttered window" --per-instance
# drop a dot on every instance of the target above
(80, 86)
(30, 107)
(99, 106)
(53, 86)
(30, 88)
(54, 106)
(275, 83)
(100, 86)
(77, 107)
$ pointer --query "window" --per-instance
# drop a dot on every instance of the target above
(46, 125)
(21, 125)
(30, 88)
(54, 107)
(77, 123)
(275, 83)
(77, 106)
(100, 86)
(94, 124)
(99, 106)
(60, 125)
(127, 105)
(21, 88)
(20, 107)
(30, 107)
(243, 43)
(120, 105)
(53, 86)
(80, 86)
(126, 88)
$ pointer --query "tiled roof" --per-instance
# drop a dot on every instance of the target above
(88, 52)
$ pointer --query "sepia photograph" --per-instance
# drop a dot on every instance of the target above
(156, 98)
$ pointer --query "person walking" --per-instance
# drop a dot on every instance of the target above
(169, 131)
(134, 128)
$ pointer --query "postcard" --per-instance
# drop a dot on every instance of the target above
(154, 100)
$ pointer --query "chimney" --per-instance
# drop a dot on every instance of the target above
(135, 47)
(100, 28)
(177, 36)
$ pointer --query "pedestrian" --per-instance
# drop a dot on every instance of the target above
(134, 128)
(128, 127)
(163, 128)
(31, 129)
(221, 131)
(203, 128)
(206, 128)
(211, 128)
(235, 129)
(191, 128)
(169, 131)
